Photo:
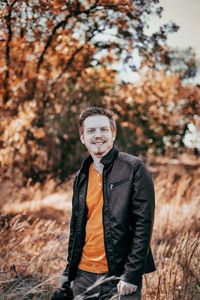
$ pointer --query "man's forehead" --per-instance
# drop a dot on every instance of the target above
(97, 120)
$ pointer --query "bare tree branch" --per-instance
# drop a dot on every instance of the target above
(7, 51)
(62, 23)
(49, 41)
(71, 59)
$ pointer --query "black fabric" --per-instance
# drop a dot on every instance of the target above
(64, 293)
(93, 286)
(128, 215)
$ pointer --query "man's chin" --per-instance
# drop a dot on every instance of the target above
(99, 153)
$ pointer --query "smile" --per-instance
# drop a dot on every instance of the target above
(98, 143)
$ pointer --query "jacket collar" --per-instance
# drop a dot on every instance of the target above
(110, 156)
(106, 160)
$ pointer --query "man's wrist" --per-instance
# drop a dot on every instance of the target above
(131, 278)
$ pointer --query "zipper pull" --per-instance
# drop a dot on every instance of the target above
(111, 186)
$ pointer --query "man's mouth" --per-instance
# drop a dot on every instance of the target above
(99, 142)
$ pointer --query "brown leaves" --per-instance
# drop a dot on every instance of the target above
(56, 57)
(161, 107)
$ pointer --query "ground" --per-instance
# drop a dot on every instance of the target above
(34, 227)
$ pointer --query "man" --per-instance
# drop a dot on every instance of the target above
(112, 217)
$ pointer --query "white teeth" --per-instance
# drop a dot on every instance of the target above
(99, 143)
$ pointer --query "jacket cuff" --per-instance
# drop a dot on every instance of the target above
(66, 271)
(131, 278)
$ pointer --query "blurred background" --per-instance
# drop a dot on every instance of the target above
(139, 58)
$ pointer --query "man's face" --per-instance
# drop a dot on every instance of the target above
(97, 136)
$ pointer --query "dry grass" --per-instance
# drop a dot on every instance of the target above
(34, 230)
(176, 235)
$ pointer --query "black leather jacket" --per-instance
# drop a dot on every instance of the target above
(128, 213)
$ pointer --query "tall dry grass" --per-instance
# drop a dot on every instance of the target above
(34, 231)
(176, 235)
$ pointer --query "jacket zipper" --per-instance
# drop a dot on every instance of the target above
(105, 201)
(112, 185)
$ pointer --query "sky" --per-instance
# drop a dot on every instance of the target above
(186, 14)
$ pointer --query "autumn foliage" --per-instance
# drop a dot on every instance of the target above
(59, 56)
(34, 226)
(153, 114)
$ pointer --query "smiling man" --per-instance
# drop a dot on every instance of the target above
(112, 217)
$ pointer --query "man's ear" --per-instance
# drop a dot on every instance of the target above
(82, 139)
(114, 134)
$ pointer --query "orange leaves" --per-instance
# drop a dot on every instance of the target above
(116, 2)
(14, 135)
(57, 5)
(58, 56)
(157, 109)
(83, 57)
(97, 78)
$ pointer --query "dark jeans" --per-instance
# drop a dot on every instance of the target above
(94, 286)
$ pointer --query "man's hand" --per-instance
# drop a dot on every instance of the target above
(64, 292)
(125, 288)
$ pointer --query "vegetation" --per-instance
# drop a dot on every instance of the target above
(34, 232)
(56, 58)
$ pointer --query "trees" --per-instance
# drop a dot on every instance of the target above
(181, 61)
(44, 41)
(154, 113)
(57, 56)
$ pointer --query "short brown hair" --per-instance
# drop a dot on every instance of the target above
(94, 111)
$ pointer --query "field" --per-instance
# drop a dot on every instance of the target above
(34, 230)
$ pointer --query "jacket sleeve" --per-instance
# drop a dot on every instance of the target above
(71, 231)
(142, 215)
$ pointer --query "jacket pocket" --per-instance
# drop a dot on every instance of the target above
(115, 184)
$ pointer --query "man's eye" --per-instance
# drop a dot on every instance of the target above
(104, 129)
(90, 131)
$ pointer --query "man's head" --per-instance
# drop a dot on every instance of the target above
(97, 130)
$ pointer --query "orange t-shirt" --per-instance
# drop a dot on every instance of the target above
(93, 256)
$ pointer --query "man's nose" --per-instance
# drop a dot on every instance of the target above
(98, 133)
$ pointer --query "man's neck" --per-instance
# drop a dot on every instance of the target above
(98, 165)
(97, 162)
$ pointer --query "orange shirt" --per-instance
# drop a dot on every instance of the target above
(93, 256)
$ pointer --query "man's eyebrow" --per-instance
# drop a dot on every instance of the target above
(100, 127)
